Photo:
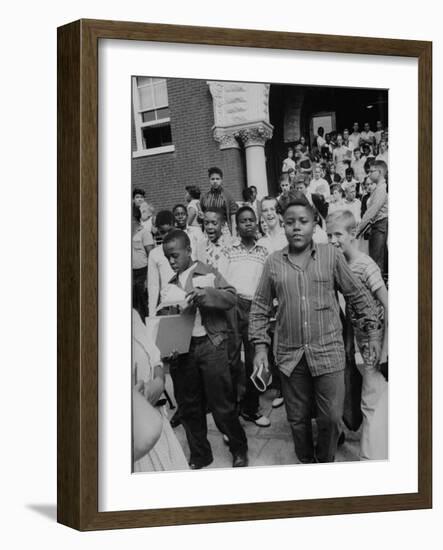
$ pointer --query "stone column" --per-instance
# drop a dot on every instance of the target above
(254, 137)
(241, 114)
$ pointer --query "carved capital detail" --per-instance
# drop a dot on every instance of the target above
(255, 134)
(226, 138)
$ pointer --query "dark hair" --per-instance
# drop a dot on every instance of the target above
(215, 170)
(338, 187)
(179, 206)
(368, 164)
(216, 210)
(381, 165)
(268, 198)
(194, 191)
(247, 194)
(244, 209)
(164, 217)
(177, 235)
(138, 191)
(298, 199)
(136, 213)
(320, 128)
(349, 171)
(253, 187)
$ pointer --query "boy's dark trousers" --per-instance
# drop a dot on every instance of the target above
(378, 244)
(302, 392)
(202, 380)
(250, 401)
(139, 296)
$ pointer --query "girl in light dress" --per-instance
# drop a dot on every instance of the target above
(148, 379)
(289, 161)
(195, 213)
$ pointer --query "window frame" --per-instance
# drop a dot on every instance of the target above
(139, 124)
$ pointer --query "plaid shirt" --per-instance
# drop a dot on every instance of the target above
(308, 319)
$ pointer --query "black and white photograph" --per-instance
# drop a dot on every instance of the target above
(259, 274)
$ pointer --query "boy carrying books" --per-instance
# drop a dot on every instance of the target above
(201, 377)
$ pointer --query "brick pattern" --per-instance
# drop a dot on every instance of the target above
(164, 177)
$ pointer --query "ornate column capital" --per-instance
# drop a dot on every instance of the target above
(226, 138)
(255, 134)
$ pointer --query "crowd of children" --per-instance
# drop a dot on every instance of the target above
(265, 282)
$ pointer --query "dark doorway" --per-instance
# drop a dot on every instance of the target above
(344, 105)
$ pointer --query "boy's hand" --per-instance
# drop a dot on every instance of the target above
(261, 358)
(196, 297)
(172, 356)
(374, 351)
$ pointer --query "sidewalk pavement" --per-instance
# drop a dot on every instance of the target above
(270, 446)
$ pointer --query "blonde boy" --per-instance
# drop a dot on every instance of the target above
(341, 229)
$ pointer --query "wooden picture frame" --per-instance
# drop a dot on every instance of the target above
(77, 432)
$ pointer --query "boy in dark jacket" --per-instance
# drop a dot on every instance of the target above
(201, 377)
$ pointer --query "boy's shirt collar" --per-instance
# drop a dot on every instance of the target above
(198, 268)
(314, 250)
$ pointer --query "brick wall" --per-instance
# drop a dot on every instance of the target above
(164, 177)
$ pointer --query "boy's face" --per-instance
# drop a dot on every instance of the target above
(290, 153)
(247, 225)
(213, 226)
(138, 199)
(178, 255)
(215, 181)
(336, 194)
(350, 192)
(269, 212)
(180, 216)
(264, 225)
(355, 127)
(145, 211)
(357, 154)
(370, 186)
(253, 193)
(348, 177)
(299, 227)
(379, 125)
(339, 237)
(345, 134)
(284, 186)
(317, 173)
(339, 141)
(300, 187)
(366, 127)
(374, 173)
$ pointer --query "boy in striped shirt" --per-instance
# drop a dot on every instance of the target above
(341, 229)
(309, 345)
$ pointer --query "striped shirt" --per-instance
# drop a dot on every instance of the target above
(308, 319)
(222, 199)
(368, 272)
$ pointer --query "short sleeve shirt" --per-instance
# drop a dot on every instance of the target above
(142, 237)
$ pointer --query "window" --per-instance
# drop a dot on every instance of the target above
(151, 116)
